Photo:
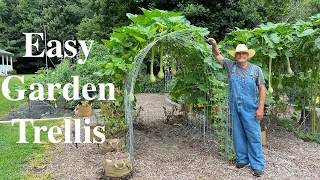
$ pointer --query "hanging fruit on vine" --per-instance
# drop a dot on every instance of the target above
(152, 77)
(270, 89)
(289, 67)
(161, 74)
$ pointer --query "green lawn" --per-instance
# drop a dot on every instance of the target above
(5, 104)
(13, 156)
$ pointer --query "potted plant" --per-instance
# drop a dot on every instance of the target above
(117, 164)
(117, 160)
(85, 109)
(116, 129)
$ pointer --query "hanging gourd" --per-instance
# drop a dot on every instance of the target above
(280, 86)
(173, 68)
(161, 74)
(270, 89)
(289, 67)
(152, 77)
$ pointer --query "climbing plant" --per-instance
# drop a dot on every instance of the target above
(127, 41)
(185, 55)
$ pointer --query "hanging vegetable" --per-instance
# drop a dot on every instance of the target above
(280, 86)
(152, 77)
(289, 67)
(173, 68)
(270, 89)
(161, 74)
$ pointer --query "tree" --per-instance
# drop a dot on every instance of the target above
(60, 18)
(219, 16)
(302, 9)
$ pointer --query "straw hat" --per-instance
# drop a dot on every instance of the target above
(242, 48)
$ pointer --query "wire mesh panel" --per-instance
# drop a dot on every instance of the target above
(201, 122)
(131, 80)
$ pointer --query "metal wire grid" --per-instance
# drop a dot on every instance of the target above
(131, 80)
(196, 127)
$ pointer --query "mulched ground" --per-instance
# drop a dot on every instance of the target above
(164, 151)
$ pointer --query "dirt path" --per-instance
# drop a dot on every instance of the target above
(163, 151)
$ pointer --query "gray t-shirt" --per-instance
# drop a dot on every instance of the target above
(258, 75)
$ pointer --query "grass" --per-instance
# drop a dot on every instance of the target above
(16, 158)
(5, 104)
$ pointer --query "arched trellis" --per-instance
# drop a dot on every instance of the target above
(131, 80)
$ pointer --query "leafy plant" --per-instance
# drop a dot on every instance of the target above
(85, 103)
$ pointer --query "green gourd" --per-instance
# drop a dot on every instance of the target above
(161, 74)
(270, 89)
(152, 77)
(173, 68)
(289, 67)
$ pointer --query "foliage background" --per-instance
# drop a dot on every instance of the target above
(86, 19)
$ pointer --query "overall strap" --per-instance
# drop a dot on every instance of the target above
(252, 70)
(234, 68)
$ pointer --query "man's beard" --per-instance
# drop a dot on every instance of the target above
(242, 60)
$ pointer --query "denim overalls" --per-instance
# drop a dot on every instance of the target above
(246, 132)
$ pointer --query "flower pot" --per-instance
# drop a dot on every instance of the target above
(117, 167)
(113, 144)
(85, 111)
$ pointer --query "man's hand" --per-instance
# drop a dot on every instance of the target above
(262, 99)
(212, 41)
(259, 114)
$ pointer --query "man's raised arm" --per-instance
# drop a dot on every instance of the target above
(215, 50)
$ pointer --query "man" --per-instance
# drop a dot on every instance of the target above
(245, 107)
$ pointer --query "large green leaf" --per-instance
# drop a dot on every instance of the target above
(275, 38)
(202, 100)
(317, 42)
(288, 53)
(204, 32)
(268, 26)
(306, 32)
(177, 19)
(160, 20)
(203, 87)
(267, 40)
(153, 13)
(256, 62)
(136, 18)
(212, 63)
(270, 52)
(137, 37)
